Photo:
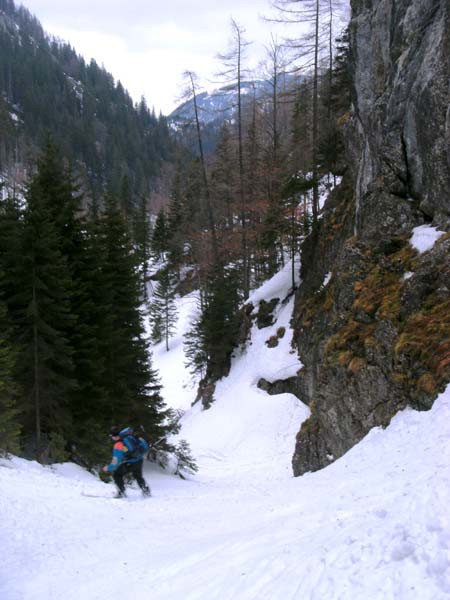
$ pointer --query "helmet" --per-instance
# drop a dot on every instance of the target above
(126, 431)
(114, 432)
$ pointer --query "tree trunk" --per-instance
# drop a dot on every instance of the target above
(315, 206)
(211, 221)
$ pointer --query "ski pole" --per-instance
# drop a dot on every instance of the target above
(158, 441)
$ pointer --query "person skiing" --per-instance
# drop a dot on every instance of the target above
(127, 458)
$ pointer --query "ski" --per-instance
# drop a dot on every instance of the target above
(104, 497)
(89, 495)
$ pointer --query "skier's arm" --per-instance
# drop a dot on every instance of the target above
(117, 457)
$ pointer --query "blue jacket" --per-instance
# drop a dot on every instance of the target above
(118, 456)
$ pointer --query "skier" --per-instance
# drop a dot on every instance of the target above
(122, 465)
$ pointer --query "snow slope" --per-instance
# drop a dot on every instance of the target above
(374, 525)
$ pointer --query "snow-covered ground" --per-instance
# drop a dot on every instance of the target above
(374, 525)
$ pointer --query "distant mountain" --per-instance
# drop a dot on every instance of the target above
(220, 105)
(47, 88)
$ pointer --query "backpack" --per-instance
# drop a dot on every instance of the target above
(136, 447)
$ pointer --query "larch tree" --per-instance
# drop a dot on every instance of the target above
(315, 17)
(192, 91)
(234, 73)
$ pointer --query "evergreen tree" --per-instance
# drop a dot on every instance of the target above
(195, 348)
(132, 386)
(9, 413)
(142, 237)
(11, 233)
(177, 229)
(185, 461)
(160, 235)
(126, 198)
(223, 179)
(221, 321)
(337, 103)
(45, 317)
(10, 255)
(212, 337)
(90, 401)
(163, 311)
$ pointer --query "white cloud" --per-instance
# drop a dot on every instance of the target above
(147, 44)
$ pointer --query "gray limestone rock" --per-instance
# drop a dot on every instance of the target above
(360, 337)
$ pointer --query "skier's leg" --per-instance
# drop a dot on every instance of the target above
(137, 474)
(118, 479)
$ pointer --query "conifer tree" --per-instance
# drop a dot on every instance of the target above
(11, 232)
(206, 191)
(185, 462)
(223, 178)
(234, 73)
(177, 225)
(131, 384)
(142, 237)
(221, 321)
(163, 311)
(160, 235)
(317, 16)
(45, 316)
(195, 349)
(126, 199)
(9, 412)
(212, 338)
(10, 252)
(90, 401)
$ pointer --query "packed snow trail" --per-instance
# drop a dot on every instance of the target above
(374, 525)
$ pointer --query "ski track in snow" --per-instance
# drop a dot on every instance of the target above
(374, 525)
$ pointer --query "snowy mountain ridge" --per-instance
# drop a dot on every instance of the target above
(372, 525)
(220, 104)
(217, 105)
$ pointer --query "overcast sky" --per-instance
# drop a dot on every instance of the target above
(147, 44)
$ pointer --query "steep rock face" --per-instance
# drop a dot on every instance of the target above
(401, 76)
(374, 334)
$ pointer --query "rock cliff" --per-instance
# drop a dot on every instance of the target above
(372, 316)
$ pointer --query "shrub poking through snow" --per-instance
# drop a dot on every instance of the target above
(185, 462)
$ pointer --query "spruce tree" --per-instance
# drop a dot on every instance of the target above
(131, 384)
(163, 311)
(90, 401)
(11, 232)
(195, 349)
(9, 412)
(221, 321)
(177, 224)
(142, 237)
(185, 462)
(10, 252)
(45, 316)
(160, 235)
(212, 337)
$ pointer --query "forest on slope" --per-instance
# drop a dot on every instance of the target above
(47, 89)
(77, 258)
